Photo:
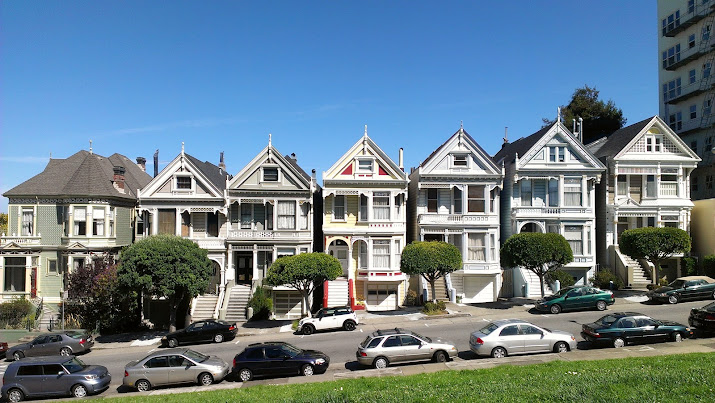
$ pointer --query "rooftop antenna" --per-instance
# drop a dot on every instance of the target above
(50, 154)
(558, 114)
(506, 132)
(461, 125)
(90, 147)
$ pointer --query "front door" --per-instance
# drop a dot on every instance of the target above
(215, 278)
(340, 252)
(244, 267)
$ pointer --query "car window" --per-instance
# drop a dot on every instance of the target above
(526, 329)
(489, 328)
(199, 325)
(645, 322)
(710, 307)
(196, 356)
(627, 323)
(274, 352)
(74, 365)
(255, 354)
(607, 320)
(290, 350)
(371, 343)
(53, 369)
(409, 341)
(157, 362)
(575, 292)
(178, 361)
(40, 340)
(392, 341)
(29, 370)
(677, 284)
(54, 339)
(511, 330)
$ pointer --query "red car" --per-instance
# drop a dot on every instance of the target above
(3, 348)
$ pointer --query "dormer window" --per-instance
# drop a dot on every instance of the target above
(557, 154)
(364, 166)
(270, 174)
(460, 160)
(654, 144)
(183, 183)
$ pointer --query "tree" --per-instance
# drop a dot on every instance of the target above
(431, 260)
(654, 244)
(536, 252)
(599, 118)
(3, 223)
(304, 272)
(165, 266)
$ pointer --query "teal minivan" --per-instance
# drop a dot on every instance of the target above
(577, 297)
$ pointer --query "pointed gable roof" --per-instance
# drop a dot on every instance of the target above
(83, 174)
(213, 173)
(271, 155)
(520, 146)
(367, 147)
(211, 176)
(454, 141)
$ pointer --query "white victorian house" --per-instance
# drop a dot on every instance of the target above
(365, 196)
(549, 186)
(271, 205)
(454, 197)
(647, 185)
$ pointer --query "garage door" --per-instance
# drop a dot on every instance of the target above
(286, 304)
(479, 289)
(382, 297)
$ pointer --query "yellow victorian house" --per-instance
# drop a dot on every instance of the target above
(364, 196)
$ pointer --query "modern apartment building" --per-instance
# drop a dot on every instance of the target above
(686, 82)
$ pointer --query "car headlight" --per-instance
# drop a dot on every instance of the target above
(320, 361)
(91, 377)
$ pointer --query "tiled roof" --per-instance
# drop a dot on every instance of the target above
(216, 175)
(83, 174)
(615, 142)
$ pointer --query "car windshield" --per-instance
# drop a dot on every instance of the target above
(196, 356)
(75, 335)
(425, 338)
(710, 307)
(366, 341)
(291, 350)
(563, 292)
(74, 365)
(677, 284)
(489, 328)
(607, 320)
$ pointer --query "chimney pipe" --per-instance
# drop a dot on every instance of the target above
(118, 178)
(141, 161)
(156, 163)
(221, 165)
(580, 129)
(292, 156)
(400, 159)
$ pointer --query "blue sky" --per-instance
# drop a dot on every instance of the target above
(136, 76)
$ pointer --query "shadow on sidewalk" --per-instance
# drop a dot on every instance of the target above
(132, 336)
(265, 324)
(505, 303)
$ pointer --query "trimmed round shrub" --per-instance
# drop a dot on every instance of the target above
(261, 303)
(603, 280)
(565, 279)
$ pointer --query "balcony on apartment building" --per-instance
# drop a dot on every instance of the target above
(680, 58)
(680, 94)
(21, 239)
(91, 241)
(676, 24)
(457, 219)
(546, 211)
(265, 234)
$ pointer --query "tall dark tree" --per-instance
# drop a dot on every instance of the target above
(599, 118)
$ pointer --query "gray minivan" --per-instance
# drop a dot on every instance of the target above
(53, 376)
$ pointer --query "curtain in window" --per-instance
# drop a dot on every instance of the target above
(525, 192)
(98, 224)
(476, 247)
(246, 216)
(363, 256)
(381, 254)
(339, 207)
(363, 208)
(167, 222)
(27, 222)
(286, 215)
(574, 236)
(553, 192)
(304, 215)
(80, 218)
(381, 206)
(572, 192)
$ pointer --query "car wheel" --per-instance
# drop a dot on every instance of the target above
(619, 342)
(15, 395)
(499, 352)
(673, 299)
(205, 379)
(142, 385)
(561, 347)
(677, 337)
(218, 338)
(380, 363)
(65, 351)
(18, 355)
(245, 375)
(556, 309)
(601, 305)
(349, 325)
(440, 356)
(308, 330)
(173, 343)
(307, 370)
(79, 391)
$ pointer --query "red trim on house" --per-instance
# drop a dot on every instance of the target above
(325, 294)
(381, 171)
(351, 297)
(348, 170)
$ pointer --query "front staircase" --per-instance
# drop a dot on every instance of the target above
(338, 292)
(440, 289)
(641, 278)
(237, 303)
(204, 306)
(534, 284)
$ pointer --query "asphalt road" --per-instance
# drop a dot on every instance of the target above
(341, 345)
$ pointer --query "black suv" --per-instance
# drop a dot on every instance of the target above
(278, 358)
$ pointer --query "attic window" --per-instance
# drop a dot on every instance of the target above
(557, 154)
(183, 182)
(270, 174)
(364, 166)
(459, 160)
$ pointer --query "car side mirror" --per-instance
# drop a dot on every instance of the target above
(60, 373)
(566, 297)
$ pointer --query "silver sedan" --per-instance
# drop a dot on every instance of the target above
(512, 336)
(398, 345)
(174, 366)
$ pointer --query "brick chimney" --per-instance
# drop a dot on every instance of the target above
(141, 161)
(118, 179)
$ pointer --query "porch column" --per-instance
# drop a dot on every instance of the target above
(256, 275)
(584, 199)
(155, 222)
(229, 271)
(561, 191)
(177, 222)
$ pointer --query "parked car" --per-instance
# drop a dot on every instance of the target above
(65, 344)
(384, 347)
(278, 358)
(703, 318)
(58, 376)
(3, 347)
(210, 330)
(513, 336)
(621, 328)
(329, 318)
(685, 288)
(174, 366)
(578, 297)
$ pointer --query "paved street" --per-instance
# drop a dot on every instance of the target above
(341, 346)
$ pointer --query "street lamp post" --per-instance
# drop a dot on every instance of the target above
(62, 296)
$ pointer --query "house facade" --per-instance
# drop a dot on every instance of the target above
(454, 197)
(647, 184)
(364, 201)
(271, 214)
(76, 210)
(549, 186)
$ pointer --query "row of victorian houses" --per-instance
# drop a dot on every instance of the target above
(366, 211)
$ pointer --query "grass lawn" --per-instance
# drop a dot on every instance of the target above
(688, 377)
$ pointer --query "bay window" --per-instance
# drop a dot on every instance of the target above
(286, 215)
(381, 205)
(339, 208)
(525, 192)
(14, 274)
(574, 236)
(381, 253)
(363, 216)
(553, 192)
(98, 221)
(457, 194)
(432, 200)
(572, 192)
(80, 221)
(304, 208)
(476, 202)
(476, 248)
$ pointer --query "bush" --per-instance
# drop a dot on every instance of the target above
(411, 299)
(434, 308)
(603, 280)
(262, 304)
(709, 265)
(565, 279)
(689, 266)
(14, 314)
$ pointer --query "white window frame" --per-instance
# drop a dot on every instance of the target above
(175, 182)
(460, 161)
(476, 249)
(271, 167)
(434, 199)
(344, 207)
(557, 154)
(289, 216)
(75, 221)
(378, 245)
(363, 208)
(96, 221)
(569, 188)
(570, 232)
(365, 170)
(27, 228)
(377, 208)
(50, 262)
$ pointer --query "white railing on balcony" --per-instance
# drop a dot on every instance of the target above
(457, 219)
(21, 239)
(386, 225)
(90, 241)
(267, 234)
(552, 211)
(210, 243)
(668, 189)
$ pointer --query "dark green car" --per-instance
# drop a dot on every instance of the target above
(685, 288)
(618, 329)
(577, 297)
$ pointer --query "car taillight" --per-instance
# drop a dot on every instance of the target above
(232, 327)
(479, 340)
(81, 342)
(234, 362)
(126, 373)
(363, 354)
(710, 316)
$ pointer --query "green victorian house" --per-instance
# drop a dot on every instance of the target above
(76, 209)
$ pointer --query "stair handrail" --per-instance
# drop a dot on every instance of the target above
(219, 300)
(451, 292)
